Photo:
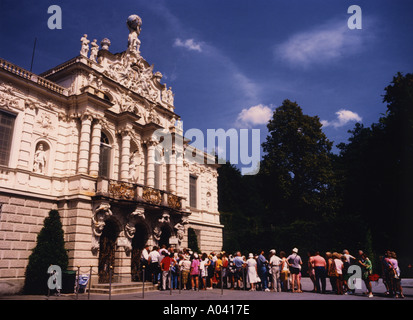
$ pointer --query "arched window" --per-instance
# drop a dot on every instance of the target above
(105, 152)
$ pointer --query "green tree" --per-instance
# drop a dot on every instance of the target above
(377, 170)
(193, 240)
(49, 250)
(296, 170)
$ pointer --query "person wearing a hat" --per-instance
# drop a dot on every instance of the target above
(252, 275)
(185, 266)
(275, 265)
(294, 262)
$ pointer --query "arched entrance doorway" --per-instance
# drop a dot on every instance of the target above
(165, 235)
(107, 245)
(138, 243)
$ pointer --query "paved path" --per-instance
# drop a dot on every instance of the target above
(233, 295)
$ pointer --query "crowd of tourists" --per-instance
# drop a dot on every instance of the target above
(173, 269)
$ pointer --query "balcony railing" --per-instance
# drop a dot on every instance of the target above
(121, 190)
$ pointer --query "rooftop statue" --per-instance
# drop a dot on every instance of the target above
(134, 24)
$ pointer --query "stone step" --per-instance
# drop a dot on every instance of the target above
(122, 288)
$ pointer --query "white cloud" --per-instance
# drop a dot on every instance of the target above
(255, 115)
(189, 44)
(343, 117)
(325, 43)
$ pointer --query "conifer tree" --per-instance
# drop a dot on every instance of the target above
(49, 250)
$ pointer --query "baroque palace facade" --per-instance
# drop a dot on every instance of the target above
(79, 138)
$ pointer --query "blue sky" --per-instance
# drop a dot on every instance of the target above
(230, 63)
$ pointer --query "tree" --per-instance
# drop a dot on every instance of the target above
(377, 171)
(297, 169)
(49, 250)
(193, 240)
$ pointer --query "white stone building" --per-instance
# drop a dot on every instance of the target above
(79, 138)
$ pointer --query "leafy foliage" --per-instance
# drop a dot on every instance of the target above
(305, 196)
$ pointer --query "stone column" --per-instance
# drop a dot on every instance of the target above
(150, 161)
(125, 155)
(95, 149)
(84, 146)
(179, 173)
(172, 172)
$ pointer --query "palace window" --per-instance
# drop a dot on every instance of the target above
(192, 191)
(6, 134)
(104, 161)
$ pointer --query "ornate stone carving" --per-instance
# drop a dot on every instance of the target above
(105, 44)
(157, 232)
(39, 159)
(129, 68)
(134, 24)
(167, 95)
(180, 229)
(121, 190)
(7, 98)
(85, 45)
(45, 123)
(174, 202)
(127, 103)
(102, 213)
(94, 50)
(152, 196)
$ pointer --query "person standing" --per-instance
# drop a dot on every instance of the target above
(284, 272)
(238, 264)
(275, 265)
(218, 269)
(185, 265)
(319, 265)
(367, 270)
(203, 269)
(294, 262)
(153, 261)
(395, 276)
(311, 271)
(195, 271)
(262, 271)
(165, 268)
(331, 271)
(225, 269)
(144, 261)
(338, 264)
(346, 275)
(252, 271)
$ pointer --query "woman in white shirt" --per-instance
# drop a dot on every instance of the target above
(252, 271)
(203, 267)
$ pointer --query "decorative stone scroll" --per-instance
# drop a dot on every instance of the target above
(130, 229)
(102, 213)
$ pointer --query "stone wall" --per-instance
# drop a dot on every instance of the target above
(21, 219)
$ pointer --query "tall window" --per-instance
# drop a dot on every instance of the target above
(6, 134)
(192, 191)
(104, 161)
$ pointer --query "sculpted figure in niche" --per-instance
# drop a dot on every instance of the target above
(132, 166)
(39, 159)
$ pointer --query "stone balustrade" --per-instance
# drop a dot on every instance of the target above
(121, 190)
